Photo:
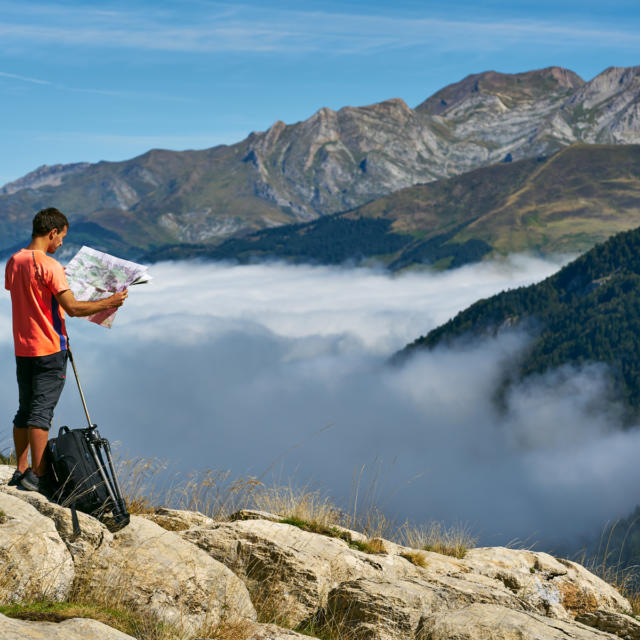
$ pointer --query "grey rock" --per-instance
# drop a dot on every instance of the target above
(556, 588)
(93, 533)
(35, 561)
(43, 176)
(74, 629)
(6, 472)
(155, 570)
(618, 624)
(179, 519)
(493, 622)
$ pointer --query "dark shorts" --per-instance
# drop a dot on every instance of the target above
(40, 382)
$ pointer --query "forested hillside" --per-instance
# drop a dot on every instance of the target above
(588, 312)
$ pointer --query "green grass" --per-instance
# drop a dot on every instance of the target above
(333, 532)
(125, 620)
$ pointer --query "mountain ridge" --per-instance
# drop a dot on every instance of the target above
(331, 162)
(565, 203)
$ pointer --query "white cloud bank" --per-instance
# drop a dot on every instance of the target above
(229, 367)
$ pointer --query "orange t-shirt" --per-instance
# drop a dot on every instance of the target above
(34, 278)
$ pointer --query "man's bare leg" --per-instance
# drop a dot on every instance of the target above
(21, 444)
(38, 439)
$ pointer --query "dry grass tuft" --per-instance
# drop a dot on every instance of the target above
(140, 482)
(374, 524)
(8, 458)
(228, 630)
(375, 545)
(215, 493)
(139, 506)
(454, 541)
(301, 504)
(418, 558)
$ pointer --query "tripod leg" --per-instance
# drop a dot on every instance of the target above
(105, 479)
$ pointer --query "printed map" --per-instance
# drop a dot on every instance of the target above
(93, 275)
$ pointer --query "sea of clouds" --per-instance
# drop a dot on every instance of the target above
(281, 372)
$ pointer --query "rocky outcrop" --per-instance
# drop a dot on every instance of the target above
(554, 587)
(178, 519)
(480, 621)
(149, 567)
(143, 566)
(74, 629)
(44, 176)
(94, 535)
(188, 570)
(35, 561)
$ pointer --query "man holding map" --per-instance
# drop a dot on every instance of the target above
(40, 294)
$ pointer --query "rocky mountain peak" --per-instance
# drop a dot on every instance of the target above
(607, 108)
(511, 88)
(336, 159)
(607, 84)
(44, 175)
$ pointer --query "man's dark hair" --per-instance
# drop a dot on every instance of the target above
(46, 220)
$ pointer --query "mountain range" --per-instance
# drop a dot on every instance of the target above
(565, 203)
(333, 162)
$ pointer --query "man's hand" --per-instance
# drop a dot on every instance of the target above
(117, 299)
(78, 308)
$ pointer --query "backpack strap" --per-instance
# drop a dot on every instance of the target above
(77, 531)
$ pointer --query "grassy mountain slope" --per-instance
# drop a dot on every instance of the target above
(154, 199)
(588, 312)
(568, 202)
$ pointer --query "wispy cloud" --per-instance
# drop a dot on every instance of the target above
(252, 28)
(137, 95)
(15, 76)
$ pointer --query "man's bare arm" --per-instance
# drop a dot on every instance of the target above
(78, 308)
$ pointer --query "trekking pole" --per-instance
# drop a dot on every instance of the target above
(84, 403)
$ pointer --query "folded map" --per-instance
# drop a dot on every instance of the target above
(93, 275)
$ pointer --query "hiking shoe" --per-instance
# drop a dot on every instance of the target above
(31, 482)
(15, 478)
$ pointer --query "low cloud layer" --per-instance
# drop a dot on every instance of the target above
(281, 371)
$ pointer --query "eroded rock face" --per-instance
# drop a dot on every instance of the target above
(492, 622)
(314, 577)
(273, 632)
(74, 629)
(179, 519)
(616, 623)
(288, 570)
(153, 569)
(196, 573)
(383, 608)
(556, 588)
(35, 561)
(93, 536)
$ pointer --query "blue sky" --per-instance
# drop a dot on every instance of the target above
(82, 81)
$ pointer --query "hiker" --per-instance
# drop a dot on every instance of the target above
(40, 295)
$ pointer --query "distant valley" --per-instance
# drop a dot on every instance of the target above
(364, 163)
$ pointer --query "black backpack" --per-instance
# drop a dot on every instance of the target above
(80, 479)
